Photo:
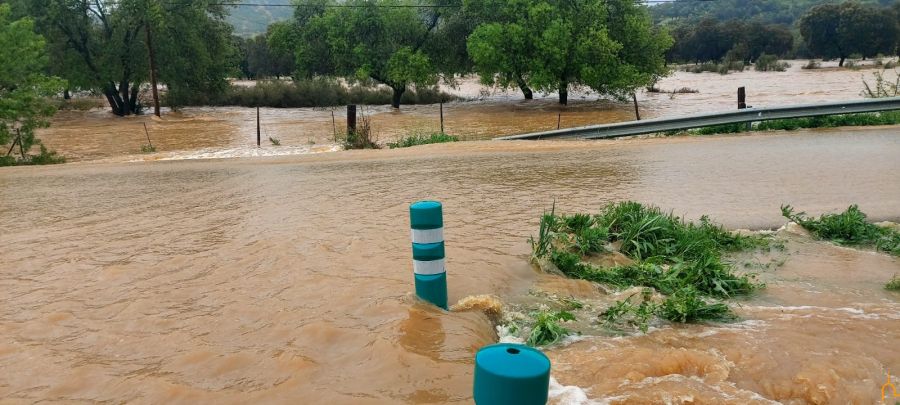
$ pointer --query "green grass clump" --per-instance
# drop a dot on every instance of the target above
(894, 284)
(546, 329)
(275, 141)
(681, 259)
(422, 139)
(683, 306)
(686, 306)
(848, 228)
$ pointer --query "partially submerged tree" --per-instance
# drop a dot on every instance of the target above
(840, 30)
(23, 86)
(391, 42)
(101, 45)
(608, 46)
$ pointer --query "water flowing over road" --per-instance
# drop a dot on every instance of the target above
(287, 279)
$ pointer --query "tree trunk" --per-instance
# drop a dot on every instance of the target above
(123, 95)
(564, 93)
(133, 101)
(526, 91)
(114, 99)
(841, 63)
(152, 70)
(398, 93)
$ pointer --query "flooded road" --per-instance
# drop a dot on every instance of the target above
(203, 132)
(288, 279)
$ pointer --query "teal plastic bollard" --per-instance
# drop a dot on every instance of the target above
(511, 374)
(426, 219)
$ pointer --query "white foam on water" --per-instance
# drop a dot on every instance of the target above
(574, 395)
(249, 151)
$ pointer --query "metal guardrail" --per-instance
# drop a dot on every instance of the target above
(705, 120)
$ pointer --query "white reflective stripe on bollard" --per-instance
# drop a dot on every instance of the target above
(428, 235)
(428, 268)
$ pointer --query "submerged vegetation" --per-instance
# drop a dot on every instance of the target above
(848, 228)
(422, 139)
(894, 284)
(317, 92)
(679, 259)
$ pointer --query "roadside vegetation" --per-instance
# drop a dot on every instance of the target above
(790, 124)
(23, 89)
(848, 228)
(679, 265)
(422, 139)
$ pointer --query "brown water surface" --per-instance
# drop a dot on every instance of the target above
(288, 279)
(204, 132)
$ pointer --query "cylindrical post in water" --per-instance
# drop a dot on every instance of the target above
(426, 219)
(511, 374)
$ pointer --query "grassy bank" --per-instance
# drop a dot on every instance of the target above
(678, 265)
(829, 121)
(319, 92)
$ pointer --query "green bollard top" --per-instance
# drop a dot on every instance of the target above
(426, 215)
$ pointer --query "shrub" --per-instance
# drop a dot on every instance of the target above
(811, 65)
(769, 63)
(316, 92)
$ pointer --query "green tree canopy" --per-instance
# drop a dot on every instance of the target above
(385, 41)
(23, 86)
(711, 40)
(609, 46)
(839, 30)
(102, 45)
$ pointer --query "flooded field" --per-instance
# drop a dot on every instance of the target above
(289, 279)
(231, 131)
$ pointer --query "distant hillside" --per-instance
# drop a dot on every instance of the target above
(251, 20)
(766, 11)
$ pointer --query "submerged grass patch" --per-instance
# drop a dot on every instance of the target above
(849, 228)
(422, 139)
(894, 284)
(546, 329)
(683, 260)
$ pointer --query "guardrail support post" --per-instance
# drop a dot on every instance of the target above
(426, 219)
(351, 119)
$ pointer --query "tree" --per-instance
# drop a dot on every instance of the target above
(102, 45)
(23, 86)
(385, 41)
(839, 30)
(504, 50)
(609, 46)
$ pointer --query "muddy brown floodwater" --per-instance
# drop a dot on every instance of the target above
(206, 132)
(288, 279)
